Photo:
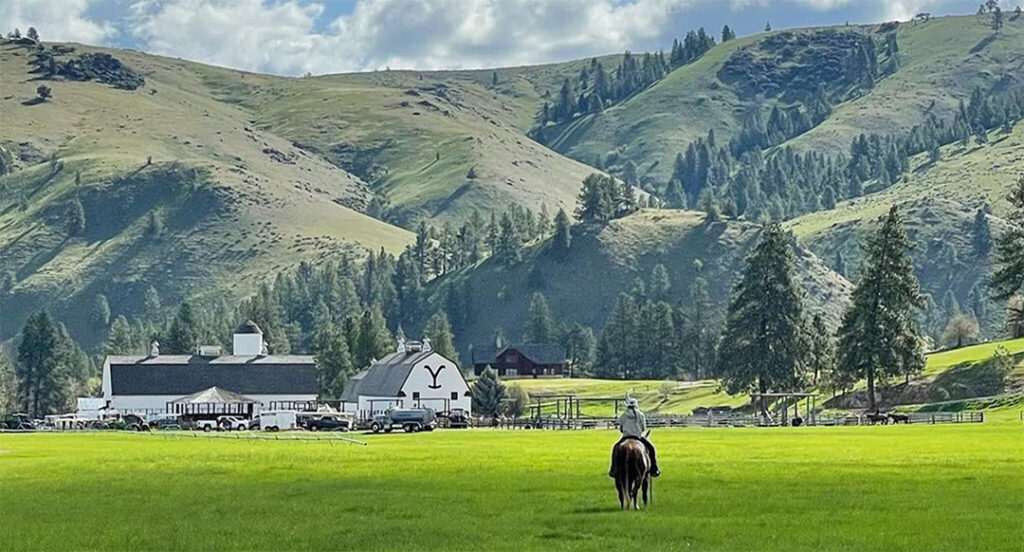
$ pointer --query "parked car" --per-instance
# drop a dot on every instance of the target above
(18, 420)
(329, 422)
(409, 419)
(166, 423)
(458, 419)
(231, 423)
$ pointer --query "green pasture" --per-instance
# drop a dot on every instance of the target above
(886, 488)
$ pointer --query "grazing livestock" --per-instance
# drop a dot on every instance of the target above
(897, 418)
(878, 418)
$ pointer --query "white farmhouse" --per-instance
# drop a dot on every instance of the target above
(413, 376)
(150, 384)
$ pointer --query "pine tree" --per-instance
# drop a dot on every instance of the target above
(698, 338)
(510, 242)
(878, 337)
(42, 360)
(333, 361)
(822, 350)
(764, 346)
(264, 309)
(442, 340)
(727, 34)
(151, 302)
(121, 340)
(101, 311)
(373, 341)
(981, 234)
(580, 347)
(488, 393)
(540, 324)
(1008, 273)
(660, 285)
(563, 232)
(183, 335)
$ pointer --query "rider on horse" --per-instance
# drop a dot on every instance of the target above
(633, 425)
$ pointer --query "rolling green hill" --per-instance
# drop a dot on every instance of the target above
(606, 260)
(204, 181)
(940, 62)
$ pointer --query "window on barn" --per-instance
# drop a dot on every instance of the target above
(455, 395)
(415, 395)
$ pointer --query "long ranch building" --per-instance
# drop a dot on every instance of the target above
(149, 384)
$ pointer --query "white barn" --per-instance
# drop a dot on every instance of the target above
(148, 384)
(413, 376)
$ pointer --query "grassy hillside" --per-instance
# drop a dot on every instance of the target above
(234, 204)
(605, 261)
(939, 201)
(941, 62)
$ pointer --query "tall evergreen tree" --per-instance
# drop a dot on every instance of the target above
(878, 337)
(42, 359)
(540, 324)
(510, 242)
(563, 232)
(121, 340)
(333, 362)
(184, 333)
(488, 392)
(75, 218)
(374, 340)
(1008, 267)
(441, 337)
(981, 234)
(580, 347)
(822, 350)
(764, 347)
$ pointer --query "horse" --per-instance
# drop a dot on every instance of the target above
(878, 418)
(632, 473)
(897, 418)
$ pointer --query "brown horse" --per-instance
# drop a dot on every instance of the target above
(632, 473)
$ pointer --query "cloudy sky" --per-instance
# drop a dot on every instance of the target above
(292, 37)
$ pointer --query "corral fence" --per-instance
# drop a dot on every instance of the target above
(734, 420)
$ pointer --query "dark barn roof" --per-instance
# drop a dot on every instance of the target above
(183, 375)
(538, 353)
(385, 378)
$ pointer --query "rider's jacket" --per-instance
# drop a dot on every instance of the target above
(633, 423)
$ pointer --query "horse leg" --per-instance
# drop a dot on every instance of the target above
(646, 488)
(622, 493)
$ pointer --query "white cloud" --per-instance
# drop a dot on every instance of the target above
(56, 20)
(281, 37)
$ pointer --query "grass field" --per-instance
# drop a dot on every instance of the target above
(860, 488)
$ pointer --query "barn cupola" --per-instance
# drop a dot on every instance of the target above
(248, 340)
(400, 340)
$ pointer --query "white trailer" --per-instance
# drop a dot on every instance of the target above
(278, 420)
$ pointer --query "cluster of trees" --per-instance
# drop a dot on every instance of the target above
(603, 198)
(595, 88)
(50, 369)
(770, 344)
(440, 251)
(493, 398)
(647, 337)
(739, 179)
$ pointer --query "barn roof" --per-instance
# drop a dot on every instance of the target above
(185, 374)
(538, 353)
(385, 377)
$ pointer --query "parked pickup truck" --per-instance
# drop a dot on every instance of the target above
(207, 425)
(328, 422)
(409, 419)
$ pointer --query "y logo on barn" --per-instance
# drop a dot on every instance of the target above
(433, 376)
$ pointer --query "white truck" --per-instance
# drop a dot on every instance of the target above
(277, 420)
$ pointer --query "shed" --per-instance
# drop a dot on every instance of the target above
(213, 402)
